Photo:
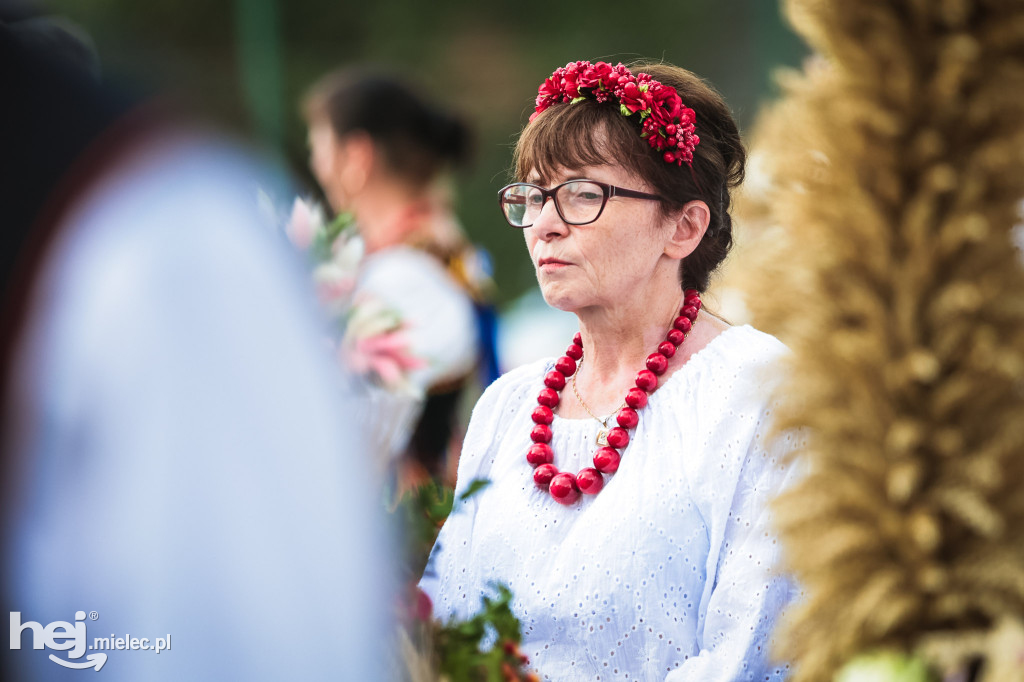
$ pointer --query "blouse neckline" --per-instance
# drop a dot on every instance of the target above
(694, 360)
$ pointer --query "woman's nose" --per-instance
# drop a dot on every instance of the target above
(549, 224)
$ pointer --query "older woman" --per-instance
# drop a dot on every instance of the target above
(627, 511)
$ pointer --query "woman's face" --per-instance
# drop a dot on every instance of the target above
(605, 262)
(323, 151)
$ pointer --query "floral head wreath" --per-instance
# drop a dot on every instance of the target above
(666, 124)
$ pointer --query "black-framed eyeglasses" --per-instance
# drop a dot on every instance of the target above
(578, 202)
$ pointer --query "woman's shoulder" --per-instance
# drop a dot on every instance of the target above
(741, 355)
(500, 404)
(745, 345)
(402, 264)
(739, 370)
(512, 384)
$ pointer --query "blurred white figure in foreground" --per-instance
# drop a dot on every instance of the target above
(180, 458)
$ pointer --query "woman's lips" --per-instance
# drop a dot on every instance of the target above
(550, 264)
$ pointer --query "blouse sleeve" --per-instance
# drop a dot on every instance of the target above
(452, 549)
(745, 591)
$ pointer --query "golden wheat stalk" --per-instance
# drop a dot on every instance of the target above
(897, 166)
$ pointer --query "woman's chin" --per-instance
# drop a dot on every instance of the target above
(560, 300)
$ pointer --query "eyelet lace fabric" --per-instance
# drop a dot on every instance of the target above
(669, 573)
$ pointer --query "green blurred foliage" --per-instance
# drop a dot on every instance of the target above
(249, 62)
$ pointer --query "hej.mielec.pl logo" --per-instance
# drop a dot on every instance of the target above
(72, 637)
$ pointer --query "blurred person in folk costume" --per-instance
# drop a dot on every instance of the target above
(176, 451)
(383, 155)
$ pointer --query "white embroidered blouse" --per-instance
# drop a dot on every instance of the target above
(669, 572)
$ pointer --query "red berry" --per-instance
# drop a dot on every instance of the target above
(627, 417)
(636, 398)
(607, 460)
(542, 414)
(618, 438)
(667, 348)
(548, 397)
(647, 380)
(566, 365)
(683, 324)
(540, 453)
(555, 380)
(422, 607)
(669, 157)
(563, 488)
(676, 336)
(670, 130)
(541, 433)
(590, 481)
(575, 352)
(657, 363)
(543, 474)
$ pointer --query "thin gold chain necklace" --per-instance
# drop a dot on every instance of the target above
(602, 433)
(566, 487)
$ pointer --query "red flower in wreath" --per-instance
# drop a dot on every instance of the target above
(665, 122)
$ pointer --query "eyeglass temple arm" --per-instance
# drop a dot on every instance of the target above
(614, 191)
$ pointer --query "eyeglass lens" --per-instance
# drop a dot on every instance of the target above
(577, 202)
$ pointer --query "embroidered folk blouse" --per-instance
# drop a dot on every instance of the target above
(670, 572)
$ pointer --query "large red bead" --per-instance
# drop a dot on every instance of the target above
(627, 418)
(647, 380)
(675, 336)
(563, 488)
(575, 352)
(607, 460)
(691, 293)
(636, 398)
(577, 339)
(540, 453)
(541, 434)
(590, 481)
(667, 348)
(657, 363)
(618, 438)
(555, 380)
(543, 474)
(548, 397)
(542, 414)
(566, 365)
(683, 324)
(695, 302)
(689, 311)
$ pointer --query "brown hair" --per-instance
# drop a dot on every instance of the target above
(590, 133)
(416, 138)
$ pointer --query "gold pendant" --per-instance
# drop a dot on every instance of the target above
(602, 437)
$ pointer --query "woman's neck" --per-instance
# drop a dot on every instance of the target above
(616, 342)
(387, 215)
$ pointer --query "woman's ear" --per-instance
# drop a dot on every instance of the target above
(688, 227)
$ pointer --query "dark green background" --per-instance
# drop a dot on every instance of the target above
(247, 63)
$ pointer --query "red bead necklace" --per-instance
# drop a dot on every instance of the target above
(562, 485)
